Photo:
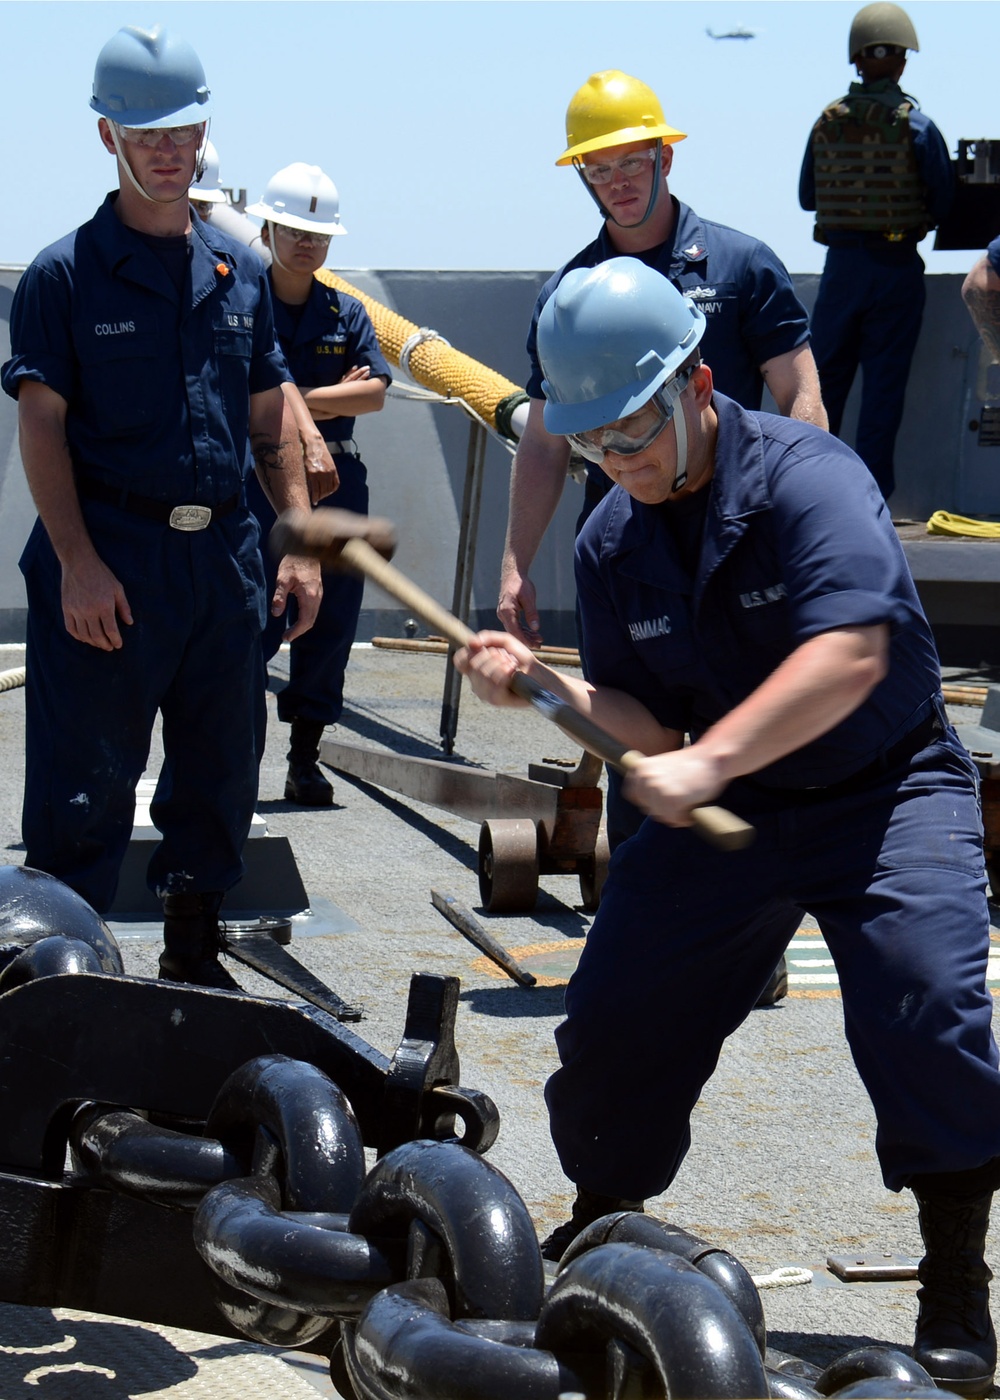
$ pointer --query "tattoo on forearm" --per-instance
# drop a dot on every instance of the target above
(269, 455)
(984, 308)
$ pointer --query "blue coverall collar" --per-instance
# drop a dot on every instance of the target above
(690, 242)
(210, 261)
(738, 490)
(125, 255)
(739, 486)
(687, 243)
(313, 322)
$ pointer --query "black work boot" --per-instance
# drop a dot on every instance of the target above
(193, 940)
(587, 1208)
(305, 784)
(955, 1342)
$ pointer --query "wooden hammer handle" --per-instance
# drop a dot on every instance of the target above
(717, 825)
(722, 828)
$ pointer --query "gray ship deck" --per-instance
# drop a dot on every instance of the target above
(782, 1169)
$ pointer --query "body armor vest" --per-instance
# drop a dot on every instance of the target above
(867, 179)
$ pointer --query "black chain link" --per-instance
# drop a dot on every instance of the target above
(428, 1262)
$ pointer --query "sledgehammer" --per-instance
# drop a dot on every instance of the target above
(364, 544)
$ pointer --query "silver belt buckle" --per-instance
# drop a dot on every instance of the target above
(190, 517)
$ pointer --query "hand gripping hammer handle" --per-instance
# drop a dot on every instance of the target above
(722, 828)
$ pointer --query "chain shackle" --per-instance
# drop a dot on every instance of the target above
(299, 1147)
(405, 1343)
(56, 955)
(276, 1105)
(620, 1319)
(119, 1148)
(463, 1219)
(631, 1304)
(629, 1227)
(247, 1240)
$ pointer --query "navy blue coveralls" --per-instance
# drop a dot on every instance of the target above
(873, 828)
(752, 315)
(333, 335)
(869, 308)
(158, 387)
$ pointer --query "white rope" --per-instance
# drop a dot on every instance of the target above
(10, 680)
(419, 337)
(419, 395)
(783, 1278)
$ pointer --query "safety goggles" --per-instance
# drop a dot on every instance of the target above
(628, 167)
(301, 235)
(153, 135)
(626, 437)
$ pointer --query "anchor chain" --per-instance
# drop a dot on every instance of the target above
(217, 1185)
(425, 1270)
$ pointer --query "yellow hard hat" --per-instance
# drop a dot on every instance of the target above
(612, 109)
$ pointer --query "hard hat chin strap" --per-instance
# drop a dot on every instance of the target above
(199, 165)
(653, 193)
(271, 226)
(200, 162)
(680, 431)
(123, 163)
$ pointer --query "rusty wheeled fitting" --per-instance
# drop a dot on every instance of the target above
(573, 840)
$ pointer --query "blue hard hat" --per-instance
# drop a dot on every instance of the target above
(608, 338)
(149, 77)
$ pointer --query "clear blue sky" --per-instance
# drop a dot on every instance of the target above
(440, 120)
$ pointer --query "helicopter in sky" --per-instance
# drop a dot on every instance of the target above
(738, 33)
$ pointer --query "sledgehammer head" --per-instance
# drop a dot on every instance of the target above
(321, 534)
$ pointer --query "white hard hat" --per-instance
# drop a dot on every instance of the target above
(301, 196)
(208, 188)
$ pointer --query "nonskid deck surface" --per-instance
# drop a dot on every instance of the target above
(782, 1169)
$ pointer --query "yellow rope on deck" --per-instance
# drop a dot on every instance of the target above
(432, 362)
(942, 522)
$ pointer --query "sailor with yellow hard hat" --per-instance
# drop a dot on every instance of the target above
(757, 331)
(622, 147)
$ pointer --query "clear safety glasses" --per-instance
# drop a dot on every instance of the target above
(628, 436)
(301, 235)
(628, 167)
(153, 135)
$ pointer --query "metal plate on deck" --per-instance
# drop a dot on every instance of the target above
(872, 1268)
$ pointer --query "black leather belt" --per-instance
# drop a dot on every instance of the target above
(902, 750)
(183, 517)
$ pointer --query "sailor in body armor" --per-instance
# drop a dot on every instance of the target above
(622, 149)
(877, 173)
